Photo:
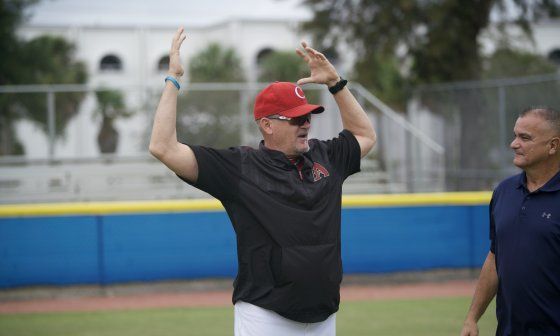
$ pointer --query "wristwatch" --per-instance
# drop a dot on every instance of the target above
(338, 86)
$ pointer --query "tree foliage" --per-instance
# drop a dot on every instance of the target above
(211, 117)
(111, 106)
(11, 15)
(282, 66)
(427, 42)
(286, 66)
(42, 60)
(505, 62)
(50, 60)
(388, 82)
(216, 64)
(440, 39)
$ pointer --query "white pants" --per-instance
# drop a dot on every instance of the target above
(250, 320)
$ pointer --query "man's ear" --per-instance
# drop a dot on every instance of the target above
(265, 125)
(554, 145)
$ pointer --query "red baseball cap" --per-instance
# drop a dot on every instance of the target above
(285, 99)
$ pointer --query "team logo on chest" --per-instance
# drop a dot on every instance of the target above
(319, 172)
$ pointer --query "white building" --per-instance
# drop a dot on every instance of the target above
(139, 49)
(134, 58)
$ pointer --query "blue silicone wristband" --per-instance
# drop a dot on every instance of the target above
(174, 81)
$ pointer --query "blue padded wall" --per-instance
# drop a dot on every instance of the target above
(107, 249)
(48, 250)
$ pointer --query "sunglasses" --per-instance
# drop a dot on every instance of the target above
(295, 121)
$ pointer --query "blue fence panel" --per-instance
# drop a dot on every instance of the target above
(48, 250)
(142, 247)
(480, 226)
(407, 238)
(168, 246)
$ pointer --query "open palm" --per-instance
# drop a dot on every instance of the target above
(175, 67)
(322, 71)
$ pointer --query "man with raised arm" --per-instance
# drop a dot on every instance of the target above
(283, 198)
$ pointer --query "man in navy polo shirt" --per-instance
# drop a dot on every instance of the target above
(523, 266)
(283, 199)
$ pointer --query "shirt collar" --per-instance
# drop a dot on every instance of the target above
(522, 181)
(280, 159)
(552, 185)
(275, 157)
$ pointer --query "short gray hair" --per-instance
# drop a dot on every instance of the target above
(549, 114)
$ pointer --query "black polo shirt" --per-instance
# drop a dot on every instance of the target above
(525, 238)
(287, 224)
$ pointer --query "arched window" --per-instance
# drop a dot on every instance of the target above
(262, 54)
(163, 64)
(554, 56)
(110, 63)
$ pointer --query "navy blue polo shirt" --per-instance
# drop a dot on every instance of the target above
(525, 238)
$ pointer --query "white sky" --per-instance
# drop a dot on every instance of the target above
(161, 12)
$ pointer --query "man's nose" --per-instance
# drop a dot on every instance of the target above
(514, 144)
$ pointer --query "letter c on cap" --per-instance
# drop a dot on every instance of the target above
(299, 92)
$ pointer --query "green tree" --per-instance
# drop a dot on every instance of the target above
(50, 60)
(286, 66)
(441, 38)
(282, 66)
(111, 106)
(211, 117)
(42, 60)
(388, 82)
(11, 15)
(506, 62)
(216, 64)
(437, 40)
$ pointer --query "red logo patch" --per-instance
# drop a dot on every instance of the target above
(319, 172)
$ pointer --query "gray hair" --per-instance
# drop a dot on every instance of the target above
(549, 114)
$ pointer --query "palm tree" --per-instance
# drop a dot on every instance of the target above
(110, 106)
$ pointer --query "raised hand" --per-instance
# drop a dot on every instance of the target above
(175, 67)
(322, 71)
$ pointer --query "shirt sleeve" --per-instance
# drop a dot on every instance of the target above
(344, 153)
(218, 171)
(492, 226)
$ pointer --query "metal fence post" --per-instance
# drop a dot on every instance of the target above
(243, 127)
(502, 114)
(51, 122)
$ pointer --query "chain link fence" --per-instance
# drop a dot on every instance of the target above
(474, 122)
(80, 143)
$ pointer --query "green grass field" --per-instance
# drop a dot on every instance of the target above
(383, 318)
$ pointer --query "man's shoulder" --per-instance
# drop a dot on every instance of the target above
(313, 142)
(232, 155)
(509, 183)
(318, 147)
(232, 149)
(246, 149)
(344, 135)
